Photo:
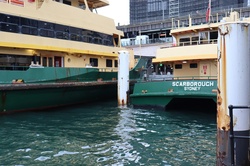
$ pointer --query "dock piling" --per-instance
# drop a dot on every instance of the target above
(123, 78)
(233, 89)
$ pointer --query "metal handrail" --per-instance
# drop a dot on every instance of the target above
(232, 136)
(165, 77)
(20, 68)
(195, 77)
(197, 42)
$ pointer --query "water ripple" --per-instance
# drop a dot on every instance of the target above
(102, 134)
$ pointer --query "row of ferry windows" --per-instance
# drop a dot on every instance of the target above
(19, 60)
(191, 65)
(92, 61)
(109, 62)
(27, 26)
(48, 61)
(177, 66)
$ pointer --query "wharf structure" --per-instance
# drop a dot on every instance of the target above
(154, 18)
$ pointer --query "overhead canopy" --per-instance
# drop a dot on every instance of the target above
(97, 3)
(181, 58)
(192, 52)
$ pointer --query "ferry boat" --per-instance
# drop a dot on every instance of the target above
(185, 70)
(57, 52)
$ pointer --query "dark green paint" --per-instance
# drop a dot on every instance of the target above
(41, 98)
(160, 93)
(55, 86)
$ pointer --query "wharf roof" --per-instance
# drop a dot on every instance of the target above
(98, 3)
(196, 28)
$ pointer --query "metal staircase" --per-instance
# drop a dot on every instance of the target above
(173, 8)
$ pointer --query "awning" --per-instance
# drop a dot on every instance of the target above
(182, 58)
(97, 3)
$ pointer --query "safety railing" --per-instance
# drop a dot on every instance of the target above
(232, 135)
(197, 42)
(108, 69)
(165, 77)
(20, 68)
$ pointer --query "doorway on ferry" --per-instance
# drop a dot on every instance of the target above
(57, 61)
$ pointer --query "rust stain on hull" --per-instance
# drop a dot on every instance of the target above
(223, 157)
(223, 119)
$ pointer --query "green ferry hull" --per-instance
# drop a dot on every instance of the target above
(42, 96)
(161, 93)
(52, 87)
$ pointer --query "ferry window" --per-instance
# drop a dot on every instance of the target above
(185, 41)
(29, 30)
(10, 19)
(178, 66)
(106, 42)
(14, 62)
(75, 30)
(75, 34)
(86, 32)
(29, 22)
(2, 18)
(169, 69)
(50, 62)
(110, 38)
(46, 33)
(96, 35)
(116, 63)
(66, 2)
(214, 35)
(36, 59)
(75, 37)
(87, 39)
(93, 62)
(109, 63)
(84, 38)
(46, 25)
(97, 40)
(61, 28)
(62, 35)
(61, 31)
(8, 27)
(193, 65)
(29, 26)
(45, 61)
(22, 60)
(195, 40)
(161, 68)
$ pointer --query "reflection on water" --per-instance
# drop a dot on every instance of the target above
(102, 134)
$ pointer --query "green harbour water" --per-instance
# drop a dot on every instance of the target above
(104, 134)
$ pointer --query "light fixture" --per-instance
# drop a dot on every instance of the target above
(184, 61)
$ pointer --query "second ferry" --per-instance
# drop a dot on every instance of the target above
(185, 70)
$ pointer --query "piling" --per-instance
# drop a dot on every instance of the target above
(123, 78)
(233, 89)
